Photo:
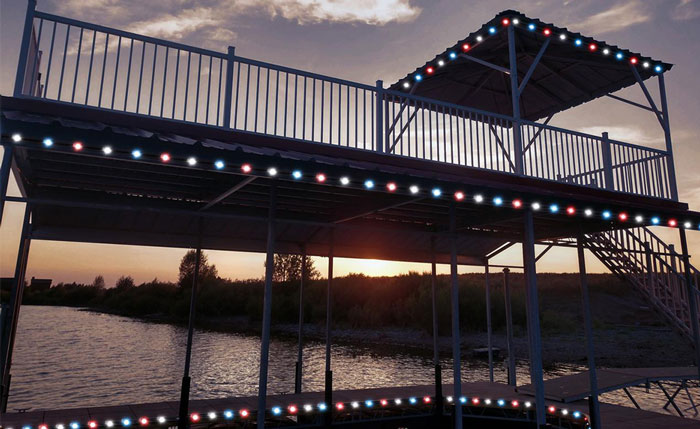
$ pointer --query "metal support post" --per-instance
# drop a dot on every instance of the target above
(11, 319)
(512, 379)
(515, 95)
(593, 406)
(436, 352)
(489, 342)
(379, 117)
(536, 377)
(300, 346)
(667, 137)
(328, 417)
(5, 169)
(692, 292)
(228, 91)
(456, 349)
(267, 308)
(24, 48)
(183, 420)
(607, 163)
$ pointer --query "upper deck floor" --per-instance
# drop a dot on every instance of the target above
(81, 64)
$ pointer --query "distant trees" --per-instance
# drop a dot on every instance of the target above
(288, 268)
(207, 273)
(99, 282)
(125, 282)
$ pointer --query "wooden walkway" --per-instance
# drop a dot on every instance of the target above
(612, 416)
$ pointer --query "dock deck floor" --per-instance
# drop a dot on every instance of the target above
(612, 416)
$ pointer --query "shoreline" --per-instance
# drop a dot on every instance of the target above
(619, 346)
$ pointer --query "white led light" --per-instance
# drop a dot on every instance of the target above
(646, 64)
(516, 21)
(687, 225)
(414, 189)
(60, 426)
(606, 51)
(478, 198)
(588, 212)
(191, 161)
(355, 404)
(211, 415)
(406, 85)
(272, 171)
(528, 404)
(16, 137)
(562, 36)
(107, 150)
(441, 63)
(344, 180)
(639, 219)
(160, 419)
(308, 408)
(536, 206)
(565, 411)
(109, 423)
(487, 401)
(48, 142)
(397, 401)
(479, 38)
(449, 399)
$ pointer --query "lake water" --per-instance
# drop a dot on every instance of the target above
(65, 358)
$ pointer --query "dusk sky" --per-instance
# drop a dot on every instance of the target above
(366, 40)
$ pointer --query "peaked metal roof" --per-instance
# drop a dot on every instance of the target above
(574, 68)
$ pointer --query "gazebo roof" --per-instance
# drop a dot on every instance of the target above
(573, 69)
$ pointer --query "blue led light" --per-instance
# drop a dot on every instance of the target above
(453, 55)
(126, 422)
(531, 27)
(655, 220)
(276, 411)
(369, 403)
(498, 201)
(619, 55)
(578, 42)
(492, 30)
(219, 164)
(322, 406)
(26, 427)
(553, 208)
(228, 414)
(369, 184)
(436, 192)
(296, 174)
(463, 399)
(412, 400)
(501, 402)
(576, 414)
(75, 425)
(48, 142)
(658, 69)
(418, 77)
(607, 214)
(136, 153)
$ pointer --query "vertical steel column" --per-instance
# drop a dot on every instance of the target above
(515, 96)
(10, 320)
(183, 420)
(488, 320)
(593, 406)
(512, 379)
(607, 163)
(669, 144)
(5, 169)
(24, 48)
(533, 316)
(329, 309)
(436, 351)
(300, 347)
(379, 117)
(692, 298)
(228, 87)
(456, 349)
(267, 307)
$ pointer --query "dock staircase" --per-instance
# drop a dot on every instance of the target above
(652, 267)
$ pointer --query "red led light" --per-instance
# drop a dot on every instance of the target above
(459, 195)
(165, 157)
(426, 399)
(517, 204)
(246, 168)
(340, 406)
(244, 413)
(515, 404)
(391, 186)
(633, 60)
(143, 421)
(384, 402)
(43, 426)
(672, 223)
(552, 409)
(320, 177)
(505, 21)
(547, 31)
(292, 409)
(430, 70)
(78, 146)
(195, 417)
(622, 216)
(465, 47)
(571, 210)
(592, 47)
(475, 401)
(92, 424)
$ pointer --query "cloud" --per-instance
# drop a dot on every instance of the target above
(627, 134)
(171, 26)
(371, 12)
(616, 18)
(686, 10)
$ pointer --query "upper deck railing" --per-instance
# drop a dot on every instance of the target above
(79, 63)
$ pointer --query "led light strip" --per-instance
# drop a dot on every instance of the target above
(370, 184)
(294, 410)
(578, 42)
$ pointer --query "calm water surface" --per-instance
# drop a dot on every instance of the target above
(67, 358)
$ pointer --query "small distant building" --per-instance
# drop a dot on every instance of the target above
(40, 284)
